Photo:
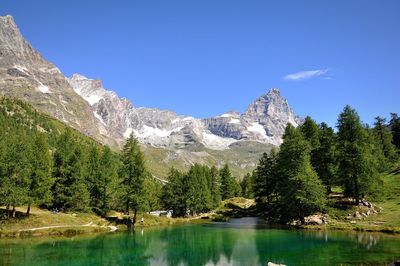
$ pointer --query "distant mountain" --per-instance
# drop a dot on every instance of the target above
(174, 139)
(264, 121)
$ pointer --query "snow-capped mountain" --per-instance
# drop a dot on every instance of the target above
(264, 120)
(167, 138)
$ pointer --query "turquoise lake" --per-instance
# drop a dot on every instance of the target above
(206, 244)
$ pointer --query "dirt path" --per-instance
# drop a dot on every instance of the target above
(111, 227)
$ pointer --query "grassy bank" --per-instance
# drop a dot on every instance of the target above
(386, 220)
(383, 217)
(45, 223)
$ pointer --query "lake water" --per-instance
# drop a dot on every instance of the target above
(240, 242)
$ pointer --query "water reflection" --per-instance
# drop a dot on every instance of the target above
(239, 242)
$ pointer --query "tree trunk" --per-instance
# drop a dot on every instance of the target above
(134, 215)
(13, 211)
(28, 210)
(127, 207)
(357, 193)
(8, 210)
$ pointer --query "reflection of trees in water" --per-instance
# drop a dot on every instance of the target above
(99, 250)
(202, 244)
(325, 248)
(197, 245)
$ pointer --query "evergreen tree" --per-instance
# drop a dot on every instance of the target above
(199, 195)
(325, 157)
(133, 173)
(247, 186)
(215, 187)
(266, 183)
(394, 125)
(301, 191)
(174, 193)
(152, 194)
(94, 173)
(41, 175)
(17, 168)
(69, 170)
(311, 133)
(384, 137)
(107, 179)
(227, 183)
(356, 168)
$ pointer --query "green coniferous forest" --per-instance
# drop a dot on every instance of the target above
(45, 163)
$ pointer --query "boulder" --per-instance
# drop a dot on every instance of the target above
(274, 264)
(315, 219)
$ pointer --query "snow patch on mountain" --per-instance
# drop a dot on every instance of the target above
(215, 142)
(99, 118)
(256, 127)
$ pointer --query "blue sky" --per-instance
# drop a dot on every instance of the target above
(203, 58)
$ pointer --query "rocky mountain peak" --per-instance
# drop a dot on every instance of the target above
(269, 104)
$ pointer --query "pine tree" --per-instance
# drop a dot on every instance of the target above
(133, 173)
(152, 193)
(16, 169)
(383, 136)
(94, 172)
(227, 183)
(301, 191)
(311, 133)
(41, 175)
(199, 195)
(107, 182)
(325, 157)
(355, 156)
(394, 125)
(69, 169)
(215, 187)
(174, 193)
(266, 182)
(247, 184)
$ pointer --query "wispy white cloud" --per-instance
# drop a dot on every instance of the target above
(307, 74)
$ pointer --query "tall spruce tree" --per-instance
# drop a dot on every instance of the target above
(17, 169)
(152, 194)
(69, 170)
(325, 157)
(357, 170)
(107, 182)
(301, 191)
(93, 176)
(311, 133)
(174, 193)
(133, 173)
(266, 183)
(394, 125)
(199, 195)
(41, 175)
(384, 137)
(227, 183)
(215, 187)
(247, 184)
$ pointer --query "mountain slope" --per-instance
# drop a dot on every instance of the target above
(175, 140)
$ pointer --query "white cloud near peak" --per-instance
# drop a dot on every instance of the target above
(302, 75)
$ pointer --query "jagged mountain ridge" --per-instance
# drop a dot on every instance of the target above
(25, 74)
(264, 120)
(86, 105)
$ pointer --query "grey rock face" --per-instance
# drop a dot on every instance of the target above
(25, 74)
(264, 120)
(86, 105)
